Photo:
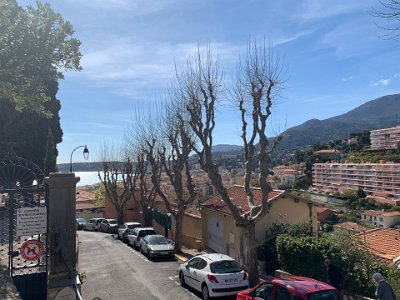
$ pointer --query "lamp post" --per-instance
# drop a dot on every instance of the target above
(85, 155)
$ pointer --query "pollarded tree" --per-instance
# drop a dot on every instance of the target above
(390, 12)
(116, 178)
(199, 89)
(174, 154)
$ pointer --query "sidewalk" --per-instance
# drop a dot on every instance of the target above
(187, 254)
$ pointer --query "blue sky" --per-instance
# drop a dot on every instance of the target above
(335, 59)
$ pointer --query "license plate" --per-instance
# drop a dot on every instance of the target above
(231, 280)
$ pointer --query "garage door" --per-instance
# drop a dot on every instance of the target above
(215, 235)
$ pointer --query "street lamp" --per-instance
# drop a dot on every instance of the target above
(85, 155)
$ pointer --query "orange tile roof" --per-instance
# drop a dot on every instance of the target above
(391, 214)
(239, 198)
(372, 213)
(319, 209)
(382, 242)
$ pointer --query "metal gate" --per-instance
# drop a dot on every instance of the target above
(24, 226)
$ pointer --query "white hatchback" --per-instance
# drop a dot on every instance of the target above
(214, 275)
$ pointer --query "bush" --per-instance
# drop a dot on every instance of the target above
(305, 256)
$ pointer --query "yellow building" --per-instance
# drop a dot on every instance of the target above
(220, 233)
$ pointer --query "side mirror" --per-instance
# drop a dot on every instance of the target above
(187, 267)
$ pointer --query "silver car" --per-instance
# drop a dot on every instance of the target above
(93, 224)
(109, 225)
(137, 234)
(126, 229)
(156, 245)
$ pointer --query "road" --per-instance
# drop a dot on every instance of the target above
(115, 271)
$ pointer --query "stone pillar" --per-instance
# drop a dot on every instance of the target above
(62, 235)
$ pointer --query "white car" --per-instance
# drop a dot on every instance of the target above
(125, 229)
(214, 275)
(156, 245)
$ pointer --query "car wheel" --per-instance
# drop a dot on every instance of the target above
(181, 279)
(92, 228)
(148, 254)
(204, 292)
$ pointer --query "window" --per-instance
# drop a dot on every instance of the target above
(324, 295)
(193, 263)
(263, 292)
(282, 294)
(225, 266)
(380, 219)
(202, 264)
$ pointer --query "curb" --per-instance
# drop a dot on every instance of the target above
(181, 258)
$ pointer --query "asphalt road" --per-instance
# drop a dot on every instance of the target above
(115, 271)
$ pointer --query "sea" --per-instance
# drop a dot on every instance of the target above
(87, 178)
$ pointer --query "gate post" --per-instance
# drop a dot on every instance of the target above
(62, 235)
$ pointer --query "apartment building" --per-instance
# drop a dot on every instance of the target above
(387, 138)
(380, 181)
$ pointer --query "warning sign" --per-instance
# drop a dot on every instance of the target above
(31, 250)
(31, 220)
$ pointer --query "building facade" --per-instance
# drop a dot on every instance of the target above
(387, 138)
(381, 181)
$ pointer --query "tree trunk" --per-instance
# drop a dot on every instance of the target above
(120, 215)
(252, 254)
(148, 218)
(178, 232)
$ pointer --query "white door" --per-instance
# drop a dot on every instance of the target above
(215, 235)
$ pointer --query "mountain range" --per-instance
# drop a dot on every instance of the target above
(379, 113)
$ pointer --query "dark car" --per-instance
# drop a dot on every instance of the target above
(80, 223)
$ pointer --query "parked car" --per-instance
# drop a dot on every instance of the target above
(109, 225)
(138, 233)
(80, 223)
(290, 287)
(156, 245)
(214, 275)
(93, 224)
(126, 229)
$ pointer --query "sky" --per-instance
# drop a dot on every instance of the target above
(335, 55)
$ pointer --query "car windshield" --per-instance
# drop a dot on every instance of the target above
(225, 266)
(158, 240)
(132, 226)
(324, 295)
(113, 222)
(81, 220)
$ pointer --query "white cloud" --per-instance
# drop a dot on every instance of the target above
(345, 79)
(381, 82)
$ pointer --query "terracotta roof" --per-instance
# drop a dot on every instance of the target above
(239, 198)
(319, 209)
(350, 226)
(372, 213)
(392, 214)
(382, 242)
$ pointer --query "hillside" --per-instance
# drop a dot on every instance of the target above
(375, 114)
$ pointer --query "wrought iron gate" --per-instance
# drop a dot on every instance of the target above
(23, 226)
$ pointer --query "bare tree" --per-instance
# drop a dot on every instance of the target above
(141, 143)
(115, 177)
(174, 156)
(389, 12)
(198, 87)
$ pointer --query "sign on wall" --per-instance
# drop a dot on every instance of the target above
(31, 220)
(31, 250)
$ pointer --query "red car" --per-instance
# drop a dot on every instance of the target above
(290, 288)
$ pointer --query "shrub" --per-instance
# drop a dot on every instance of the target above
(305, 255)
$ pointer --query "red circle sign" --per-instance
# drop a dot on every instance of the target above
(31, 250)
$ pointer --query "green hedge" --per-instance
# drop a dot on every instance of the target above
(305, 256)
